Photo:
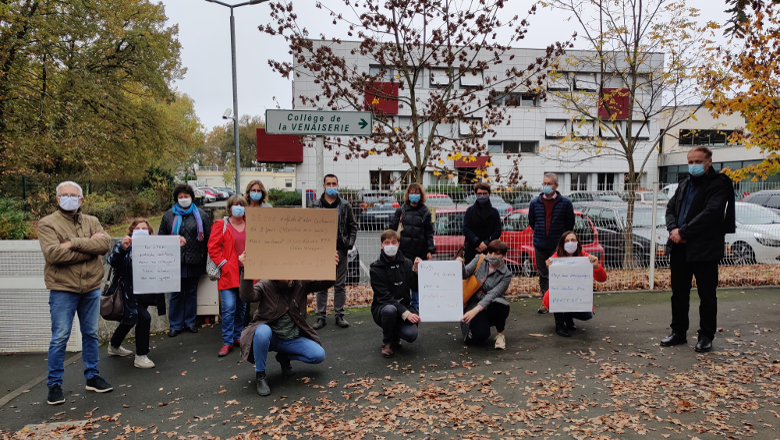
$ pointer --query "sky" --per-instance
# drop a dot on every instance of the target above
(204, 32)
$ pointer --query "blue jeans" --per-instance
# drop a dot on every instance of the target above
(184, 304)
(233, 310)
(415, 301)
(62, 307)
(298, 349)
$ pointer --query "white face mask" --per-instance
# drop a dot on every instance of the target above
(391, 250)
(69, 203)
(185, 202)
(140, 233)
(570, 247)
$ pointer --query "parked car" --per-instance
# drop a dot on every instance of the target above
(611, 223)
(646, 197)
(757, 238)
(500, 204)
(371, 198)
(436, 201)
(584, 196)
(207, 196)
(376, 217)
(767, 198)
(218, 195)
(353, 266)
(518, 235)
(448, 232)
(523, 200)
(670, 189)
(228, 190)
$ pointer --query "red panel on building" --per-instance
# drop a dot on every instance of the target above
(380, 91)
(617, 101)
(278, 148)
(480, 162)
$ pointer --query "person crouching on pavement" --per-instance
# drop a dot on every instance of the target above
(488, 307)
(279, 324)
(569, 246)
(393, 278)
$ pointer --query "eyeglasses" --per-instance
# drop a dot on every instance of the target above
(256, 191)
(68, 196)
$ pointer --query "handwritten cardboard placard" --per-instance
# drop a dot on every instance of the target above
(441, 291)
(156, 264)
(291, 244)
(571, 285)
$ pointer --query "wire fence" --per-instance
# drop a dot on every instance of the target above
(630, 241)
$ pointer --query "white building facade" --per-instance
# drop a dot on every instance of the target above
(535, 132)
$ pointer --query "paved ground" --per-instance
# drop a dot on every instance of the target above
(611, 380)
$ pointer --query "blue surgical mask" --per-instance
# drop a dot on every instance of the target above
(483, 199)
(547, 190)
(237, 210)
(256, 196)
(333, 192)
(414, 198)
(696, 169)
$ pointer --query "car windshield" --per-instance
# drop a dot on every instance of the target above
(643, 218)
(439, 201)
(750, 214)
(449, 224)
(607, 198)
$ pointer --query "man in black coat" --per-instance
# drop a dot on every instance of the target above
(481, 223)
(392, 278)
(698, 217)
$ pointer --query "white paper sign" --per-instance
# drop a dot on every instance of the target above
(441, 291)
(571, 285)
(156, 264)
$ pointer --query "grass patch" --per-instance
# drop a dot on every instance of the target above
(120, 230)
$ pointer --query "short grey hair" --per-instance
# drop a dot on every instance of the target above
(70, 183)
(552, 176)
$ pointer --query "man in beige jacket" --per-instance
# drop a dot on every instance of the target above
(73, 244)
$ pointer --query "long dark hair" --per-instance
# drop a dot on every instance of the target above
(562, 252)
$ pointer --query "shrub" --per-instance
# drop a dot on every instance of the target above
(13, 220)
(106, 208)
(289, 198)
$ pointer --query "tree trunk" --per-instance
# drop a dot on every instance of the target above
(629, 260)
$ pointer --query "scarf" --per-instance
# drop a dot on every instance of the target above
(483, 213)
(180, 212)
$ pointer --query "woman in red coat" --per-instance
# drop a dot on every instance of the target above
(226, 249)
(569, 246)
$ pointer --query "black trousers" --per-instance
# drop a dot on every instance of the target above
(494, 316)
(142, 329)
(541, 256)
(706, 274)
(394, 327)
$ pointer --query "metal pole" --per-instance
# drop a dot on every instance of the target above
(653, 236)
(320, 151)
(303, 194)
(235, 100)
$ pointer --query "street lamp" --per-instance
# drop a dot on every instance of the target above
(235, 83)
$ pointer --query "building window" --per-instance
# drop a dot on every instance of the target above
(512, 147)
(471, 79)
(556, 128)
(386, 73)
(579, 181)
(558, 81)
(715, 138)
(584, 129)
(288, 183)
(606, 182)
(640, 129)
(439, 77)
(585, 82)
(518, 100)
(610, 130)
(466, 124)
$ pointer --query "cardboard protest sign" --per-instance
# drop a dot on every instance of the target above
(156, 264)
(571, 285)
(291, 244)
(441, 291)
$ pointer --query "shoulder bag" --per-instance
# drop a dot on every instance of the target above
(471, 285)
(112, 298)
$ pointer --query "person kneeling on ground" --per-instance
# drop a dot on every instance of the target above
(279, 324)
(570, 246)
(393, 278)
(488, 307)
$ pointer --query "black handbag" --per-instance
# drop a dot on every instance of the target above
(112, 298)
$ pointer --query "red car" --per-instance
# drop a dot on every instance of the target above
(517, 234)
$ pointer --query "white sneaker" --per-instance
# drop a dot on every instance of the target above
(118, 351)
(143, 362)
(500, 342)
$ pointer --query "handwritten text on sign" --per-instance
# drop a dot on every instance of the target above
(571, 285)
(441, 291)
(156, 264)
(291, 244)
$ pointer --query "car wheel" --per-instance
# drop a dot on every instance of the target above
(527, 267)
(742, 254)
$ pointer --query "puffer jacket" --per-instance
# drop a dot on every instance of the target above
(80, 268)
(563, 220)
(194, 252)
(348, 227)
(121, 260)
(417, 236)
(392, 282)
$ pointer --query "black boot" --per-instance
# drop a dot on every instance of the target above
(673, 339)
(562, 330)
(262, 384)
(320, 324)
(703, 345)
(570, 324)
(284, 361)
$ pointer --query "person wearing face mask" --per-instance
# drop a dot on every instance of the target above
(481, 223)
(488, 307)
(279, 324)
(698, 217)
(227, 249)
(393, 278)
(345, 240)
(549, 215)
(256, 197)
(193, 224)
(73, 244)
(135, 313)
(414, 224)
(569, 246)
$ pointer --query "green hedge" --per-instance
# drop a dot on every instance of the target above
(14, 224)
